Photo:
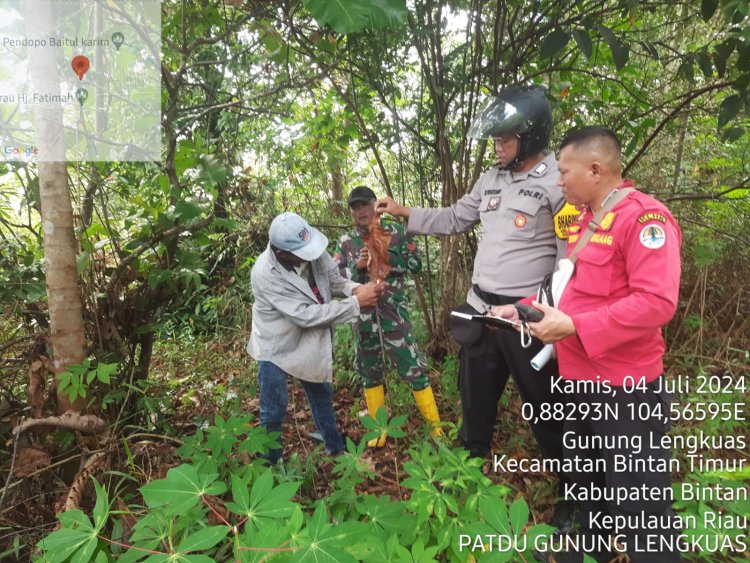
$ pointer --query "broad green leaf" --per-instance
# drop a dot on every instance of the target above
(384, 513)
(388, 13)
(83, 555)
(620, 51)
(743, 56)
(151, 530)
(554, 43)
(259, 441)
(584, 42)
(732, 134)
(220, 438)
(181, 490)
(722, 52)
(76, 519)
(495, 513)
(203, 539)
(325, 543)
(185, 211)
(394, 426)
(496, 556)
(423, 554)
(519, 515)
(264, 500)
(262, 486)
(730, 107)
(198, 559)
(83, 259)
(97, 229)
(76, 535)
(704, 63)
(101, 508)
(262, 542)
(228, 224)
(105, 371)
(241, 496)
(344, 16)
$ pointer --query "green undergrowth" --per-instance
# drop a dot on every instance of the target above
(220, 501)
(215, 507)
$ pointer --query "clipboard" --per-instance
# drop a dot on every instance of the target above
(495, 322)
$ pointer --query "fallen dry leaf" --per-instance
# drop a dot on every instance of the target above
(29, 460)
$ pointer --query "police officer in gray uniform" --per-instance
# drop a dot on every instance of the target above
(523, 221)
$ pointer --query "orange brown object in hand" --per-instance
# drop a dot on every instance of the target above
(377, 240)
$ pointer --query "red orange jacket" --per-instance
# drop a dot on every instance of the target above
(624, 289)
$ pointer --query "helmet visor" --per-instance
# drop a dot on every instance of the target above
(498, 118)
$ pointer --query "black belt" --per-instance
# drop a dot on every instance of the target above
(493, 298)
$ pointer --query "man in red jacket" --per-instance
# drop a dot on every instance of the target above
(607, 333)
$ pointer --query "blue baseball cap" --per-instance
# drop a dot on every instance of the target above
(292, 233)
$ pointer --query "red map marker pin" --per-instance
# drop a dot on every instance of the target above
(80, 65)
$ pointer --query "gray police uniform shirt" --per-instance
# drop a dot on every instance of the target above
(517, 211)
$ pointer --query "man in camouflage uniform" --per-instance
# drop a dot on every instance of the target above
(391, 316)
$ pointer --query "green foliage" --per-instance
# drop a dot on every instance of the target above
(382, 425)
(260, 114)
(449, 379)
(15, 549)
(76, 379)
(182, 490)
(267, 521)
(345, 356)
(725, 519)
(21, 275)
(554, 43)
(77, 540)
(354, 15)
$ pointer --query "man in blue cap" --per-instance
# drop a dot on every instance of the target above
(293, 282)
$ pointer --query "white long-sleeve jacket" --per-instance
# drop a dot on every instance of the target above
(290, 327)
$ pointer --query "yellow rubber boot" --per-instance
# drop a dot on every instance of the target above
(426, 405)
(375, 398)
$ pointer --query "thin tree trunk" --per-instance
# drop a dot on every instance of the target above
(65, 310)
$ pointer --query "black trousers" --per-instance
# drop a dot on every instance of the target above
(488, 357)
(624, 437)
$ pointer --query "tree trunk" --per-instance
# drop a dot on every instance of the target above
(65, 310)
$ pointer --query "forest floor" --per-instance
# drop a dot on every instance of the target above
(193, 382)
(232, 390)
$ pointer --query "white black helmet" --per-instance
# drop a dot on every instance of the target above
(519, 110)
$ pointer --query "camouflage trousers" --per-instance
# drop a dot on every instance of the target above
(400, 349)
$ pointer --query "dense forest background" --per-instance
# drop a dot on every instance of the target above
(270, 106)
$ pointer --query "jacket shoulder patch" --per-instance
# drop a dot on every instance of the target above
(565, 218)
(607, 221)
(652, 216)
(653, 237)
